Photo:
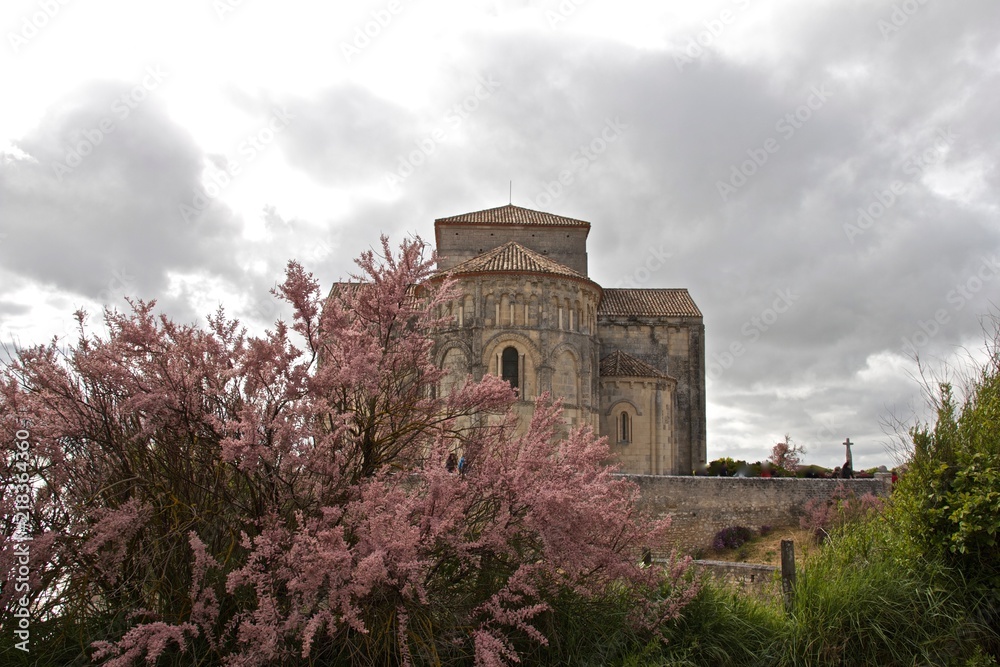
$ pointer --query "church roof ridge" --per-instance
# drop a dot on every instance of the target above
(513, 257)
(647, 302)
(623, 364)
(509, 214)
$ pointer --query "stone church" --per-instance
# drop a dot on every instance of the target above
(629, 362)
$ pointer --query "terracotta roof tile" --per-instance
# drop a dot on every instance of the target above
(513, 257)
(512, 215)
(352, 287)
(647, 303)
(622, 364)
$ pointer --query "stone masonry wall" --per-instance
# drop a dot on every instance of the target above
(651, 449)
(675, 346)
(753, 578)
(702, 506)
(566, 245)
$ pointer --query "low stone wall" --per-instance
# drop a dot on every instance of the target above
(761, 580)
(702, 506)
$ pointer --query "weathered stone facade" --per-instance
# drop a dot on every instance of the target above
(628, 362)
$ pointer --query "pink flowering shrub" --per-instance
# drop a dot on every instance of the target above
(843, 506)
(205, 495)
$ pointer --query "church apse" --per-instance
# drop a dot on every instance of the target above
(629, 363)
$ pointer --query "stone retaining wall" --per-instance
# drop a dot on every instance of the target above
(702, 506)
(762, 580)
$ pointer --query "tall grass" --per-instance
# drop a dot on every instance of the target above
(864, 600)
(590, 631)
(723, 627)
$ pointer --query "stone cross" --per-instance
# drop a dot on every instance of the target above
(850, 461)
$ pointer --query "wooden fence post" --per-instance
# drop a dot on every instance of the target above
(787, 572)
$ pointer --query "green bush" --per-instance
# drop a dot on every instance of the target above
(953, 486)
(949, 498)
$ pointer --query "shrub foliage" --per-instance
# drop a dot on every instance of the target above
(202, 496)
(732, 537)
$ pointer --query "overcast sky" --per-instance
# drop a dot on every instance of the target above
(822, 176)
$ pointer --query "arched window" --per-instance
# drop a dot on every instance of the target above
(508, 364)
(625, 427)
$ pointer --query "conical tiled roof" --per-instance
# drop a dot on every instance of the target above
(623, 364)
(512, 257)
(512, 215)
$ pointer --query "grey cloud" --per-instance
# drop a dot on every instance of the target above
(107, 222)
(785, 228)
(11, 308)
(345, 134)
(654, 186)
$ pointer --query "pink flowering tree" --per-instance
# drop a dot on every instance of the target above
(786, 455)
(205, 496)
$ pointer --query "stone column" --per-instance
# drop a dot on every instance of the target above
(658, 430)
